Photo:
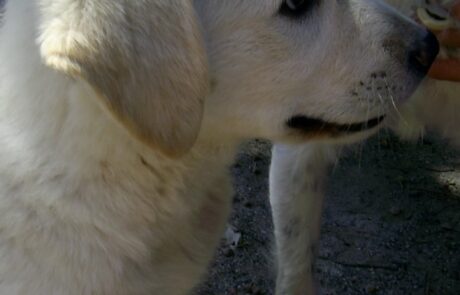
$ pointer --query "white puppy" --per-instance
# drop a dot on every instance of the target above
(119, 119)
(298, 173)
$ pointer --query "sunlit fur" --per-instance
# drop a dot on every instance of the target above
(119, 120)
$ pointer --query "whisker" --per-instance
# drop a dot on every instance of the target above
(393, 103)
(337, 159)
(360, 154)
(381, 111)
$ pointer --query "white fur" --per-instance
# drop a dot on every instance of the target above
(297, 179)
(119, 120)
(298, 171)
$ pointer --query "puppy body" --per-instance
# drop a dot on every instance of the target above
(119, 120)
(87, 210)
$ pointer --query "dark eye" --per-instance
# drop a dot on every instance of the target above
(296, 8)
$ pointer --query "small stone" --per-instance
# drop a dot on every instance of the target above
(256, 290)
(371, 289)
(396, 211)
(257, 158)
(248, 204)
(447, 226)
(451, 245)
(228, 252)
(253, 289)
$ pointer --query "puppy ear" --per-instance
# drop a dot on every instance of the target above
(145, 58)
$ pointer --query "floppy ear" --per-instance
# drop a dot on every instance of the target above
(145, 59)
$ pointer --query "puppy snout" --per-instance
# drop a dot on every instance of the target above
(423, 54)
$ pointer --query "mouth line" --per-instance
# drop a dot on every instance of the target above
(318, 126)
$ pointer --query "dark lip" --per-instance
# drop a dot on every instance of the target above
(318, 126)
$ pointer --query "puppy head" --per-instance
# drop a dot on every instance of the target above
(145, 59)
(291, 70)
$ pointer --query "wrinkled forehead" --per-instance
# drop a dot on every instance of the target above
(221, 8)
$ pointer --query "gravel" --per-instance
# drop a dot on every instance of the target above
(391, 223)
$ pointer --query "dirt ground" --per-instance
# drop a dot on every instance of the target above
(391, 223)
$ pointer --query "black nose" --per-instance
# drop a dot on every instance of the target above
(423, 54)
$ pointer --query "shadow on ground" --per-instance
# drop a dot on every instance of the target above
(391, 223)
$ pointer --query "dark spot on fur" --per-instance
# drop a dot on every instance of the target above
(161, 190)
(188, 253)
(213, 84)
(145, 163)
(292, 228)
(105, 170)
(317, 186)
(210, 213)
(2, 10)
(152, 169)
(312, 251)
